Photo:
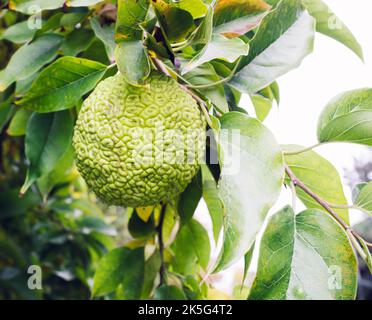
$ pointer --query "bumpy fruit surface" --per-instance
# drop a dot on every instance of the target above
(137, 146)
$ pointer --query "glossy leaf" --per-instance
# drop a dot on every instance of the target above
(348, 118)
(77, 41)
(18, 33)
(305, 257)
(284, 38)
(48, 136)
(218, 48)
(169, 293)
(213, 200)
(234, 18)
(197, 8)
(248, 191)
(29, 59)
(190, 248)
(106, 35)
(320, 176)
(34, 6)
(18, 124)
(176, 23)
(62, 84)
(189, 199)
(330, 25)
(59, 174)
(120, 266)
(206, 75)
(133, 61)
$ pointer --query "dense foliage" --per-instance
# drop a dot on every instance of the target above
(54, 53)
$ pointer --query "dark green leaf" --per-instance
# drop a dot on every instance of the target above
(189, 199)
(29, 59)
(77, 41)
(120, 266)
(169, 293)
(48, 136)
(62, 84)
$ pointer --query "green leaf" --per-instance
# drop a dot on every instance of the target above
(48, 136)
(219, 47)
(197, 8)
(176, 23)
(18, 33)
(189, 199)
(206, 75)
(82, 3)
(120, 266)
(69, 21)
(59, 174)
(364, 197)
(29, 59)
(77, 41)
(131, 13)
(12, 205)
(140, 229)
(320, 176)
(330, 25)
(18, 124)
(213, 200)
(305, 257)
(62, 84)
(284, 38)
(169, 293)
(191, 247)
(133, 61)
(152, 267)
(348, 118)
(106, 35)
(6, 112)
(34, 6)
(204, 32)
(251, 178)
(234, 18)
(130, 54)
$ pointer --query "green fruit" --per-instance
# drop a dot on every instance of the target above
(138, 146)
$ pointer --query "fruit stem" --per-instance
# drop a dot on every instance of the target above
(159, 230)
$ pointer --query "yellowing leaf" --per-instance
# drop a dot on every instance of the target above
(144, 212)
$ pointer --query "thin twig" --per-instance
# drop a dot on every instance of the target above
(159, 230)
(324, 204)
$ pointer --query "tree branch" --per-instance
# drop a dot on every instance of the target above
(298, 183)
(159, 230)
